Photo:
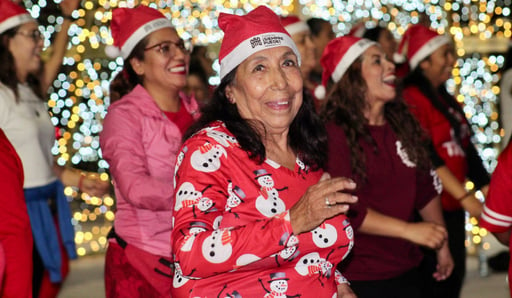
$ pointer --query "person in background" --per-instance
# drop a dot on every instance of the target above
(200, 56)
(374, 140)
(431, 59)
(385, 39)
(24, 118)
(254, 215)
(321, 34)
(140, 140)
(197, 83)
(15, 236)
(497, 214)
(506, 98)
(301, 35)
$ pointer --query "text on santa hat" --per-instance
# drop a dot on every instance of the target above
(155, 24)
(267, 40)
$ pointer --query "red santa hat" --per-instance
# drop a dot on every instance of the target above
(131, 25)
(293, 25)
(12, 15)
(418, 42)
(337, 57)
(245, 35)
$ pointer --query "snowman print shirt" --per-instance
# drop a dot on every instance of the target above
(232, 235)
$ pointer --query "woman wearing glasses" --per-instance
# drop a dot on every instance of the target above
(140, 140)
(24, 81)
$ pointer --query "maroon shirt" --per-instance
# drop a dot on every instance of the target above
(394, 187)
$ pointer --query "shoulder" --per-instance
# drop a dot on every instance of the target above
(215, 133)
(6, 95)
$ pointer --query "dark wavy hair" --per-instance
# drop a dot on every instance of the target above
(373, 33)
(307, 136)
(8, 75)
(345, 108)
(418, 79)
(124, 82)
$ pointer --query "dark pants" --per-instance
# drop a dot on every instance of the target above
(451, 287)
(406, 285)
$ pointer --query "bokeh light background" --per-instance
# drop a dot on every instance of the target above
(78, 99)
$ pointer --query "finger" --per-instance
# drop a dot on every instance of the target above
(342, 198)
(334, 210)
(325, 176)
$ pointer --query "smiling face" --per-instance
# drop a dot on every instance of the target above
(439, 65)
(26, 46)
(268, 88)
(165, 62)
(379, 75)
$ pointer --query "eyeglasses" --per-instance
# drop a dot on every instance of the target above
(168, 48)
(35, 35)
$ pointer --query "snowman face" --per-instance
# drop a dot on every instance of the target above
(271, 206)
(186, 196)
(266, 181)
(208, 161)
(324, 236)
(204, 204)
(309, 264)
(279, 286)
(217, 247)
(287, 252)
(222, 138)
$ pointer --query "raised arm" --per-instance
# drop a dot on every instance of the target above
(59, 45)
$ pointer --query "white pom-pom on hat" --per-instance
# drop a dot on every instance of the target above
(112, 51)
(320, 92)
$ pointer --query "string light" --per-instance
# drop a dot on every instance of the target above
(78, 98)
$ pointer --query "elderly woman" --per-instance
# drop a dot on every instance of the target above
(140, 140)
(253, 214)
(431, 59)
(375, 140)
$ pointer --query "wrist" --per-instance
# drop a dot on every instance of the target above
(465, 196)
(81, 180)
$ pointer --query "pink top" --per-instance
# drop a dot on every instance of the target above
(232, 234)
(140, 144)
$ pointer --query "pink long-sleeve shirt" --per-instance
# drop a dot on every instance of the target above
(140, 144)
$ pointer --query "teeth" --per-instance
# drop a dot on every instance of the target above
(282, 103)
(177, 69)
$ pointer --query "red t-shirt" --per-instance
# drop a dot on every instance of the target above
(232, 231)
(394, 187)
(497, 214)
(442, 134)
(181, 118)
(15, 232)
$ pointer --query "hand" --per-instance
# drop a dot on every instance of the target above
(93, 185)
(445, 265)
(344, 291)
(427, 234)
(68, 6)
(320, 202)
